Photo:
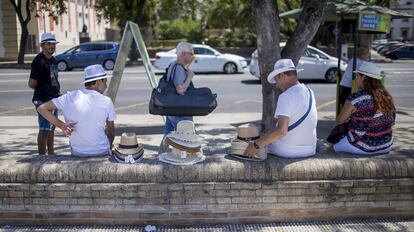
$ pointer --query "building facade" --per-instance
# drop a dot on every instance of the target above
(403, 28)
(80, 15)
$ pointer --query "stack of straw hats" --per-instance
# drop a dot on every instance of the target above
(128, 150)
(245, 134)
(185, 145)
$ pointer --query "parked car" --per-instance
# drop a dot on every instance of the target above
(88, 53)
(406, 51)
(315, 63)
(207, 60)
(390, 47)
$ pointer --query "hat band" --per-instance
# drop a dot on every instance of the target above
(47, 40)
(127, 146)
(89, 78)
(248, 138)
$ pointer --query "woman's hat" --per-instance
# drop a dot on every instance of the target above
(369, 69)
(245, 134)
(94, 72)
(48, 38)
(128, 150)
(185, 132)
(282, 65)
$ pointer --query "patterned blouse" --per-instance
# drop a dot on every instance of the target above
(369, 130)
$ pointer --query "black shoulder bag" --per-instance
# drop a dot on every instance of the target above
(166, 101)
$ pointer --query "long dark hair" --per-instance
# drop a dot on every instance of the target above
(382, 99)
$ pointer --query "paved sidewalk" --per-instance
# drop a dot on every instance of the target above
(18, 133)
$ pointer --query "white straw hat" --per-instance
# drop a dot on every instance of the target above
(185, 132)
(282, 65)
(245, 134)
(94, 72)
(128, 150)
(369, 69)
(48, 38)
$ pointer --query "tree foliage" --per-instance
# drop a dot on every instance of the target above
(53, 8)
(142, 12)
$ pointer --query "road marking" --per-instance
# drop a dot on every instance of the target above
(17, 110)
(130, 106)
(326, 104)
(14, 74)
(16, 91)
(8, 81)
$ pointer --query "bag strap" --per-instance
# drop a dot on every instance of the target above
(172, 74)
(294, 125)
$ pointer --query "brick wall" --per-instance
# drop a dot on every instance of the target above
(209, 202)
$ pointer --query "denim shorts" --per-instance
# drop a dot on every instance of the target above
(44, 124)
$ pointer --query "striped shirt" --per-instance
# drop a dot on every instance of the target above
(369, 130)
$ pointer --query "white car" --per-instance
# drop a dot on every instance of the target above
(315, 63)
(207, 60)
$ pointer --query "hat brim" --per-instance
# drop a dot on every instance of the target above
(368, 74)
(173, 159)
(95, 79)
(51, 41)
(184, 137)
(270, 78)
(239, 146)
(126, 152)
(136, 159)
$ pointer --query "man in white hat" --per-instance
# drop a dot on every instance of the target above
(89, 115)
(294, 135)
(44, 80)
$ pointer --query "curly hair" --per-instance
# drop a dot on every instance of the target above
(382, 99)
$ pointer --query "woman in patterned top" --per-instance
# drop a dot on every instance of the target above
(369, 115)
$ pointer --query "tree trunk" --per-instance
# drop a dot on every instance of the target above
(266, 17)
(309, 21)
(23, 39)
(23, 23)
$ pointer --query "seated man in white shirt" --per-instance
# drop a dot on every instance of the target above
(89, 115)
(294, 135)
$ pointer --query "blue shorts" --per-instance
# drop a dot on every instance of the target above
(44, 124)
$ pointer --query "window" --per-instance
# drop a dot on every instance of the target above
(203, 51)
(98, 47)
(408, 3)
(404, 32)
(404, 20)
(313, 53)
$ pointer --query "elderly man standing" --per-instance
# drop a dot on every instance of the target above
(294, 136)
(44, 80)
(89, 115)
(180, 75)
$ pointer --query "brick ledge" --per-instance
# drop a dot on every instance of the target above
(217, 168)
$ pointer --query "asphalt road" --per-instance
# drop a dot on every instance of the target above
(236, 93)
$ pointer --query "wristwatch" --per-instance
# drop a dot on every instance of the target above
(256, 146)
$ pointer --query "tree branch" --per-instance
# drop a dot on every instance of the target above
(309, 21)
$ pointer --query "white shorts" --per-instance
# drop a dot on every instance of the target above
(281, 149)
(344, 146)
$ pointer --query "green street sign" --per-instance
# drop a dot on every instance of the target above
(374, 22)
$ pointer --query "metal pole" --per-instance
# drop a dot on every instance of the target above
(354, 56)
